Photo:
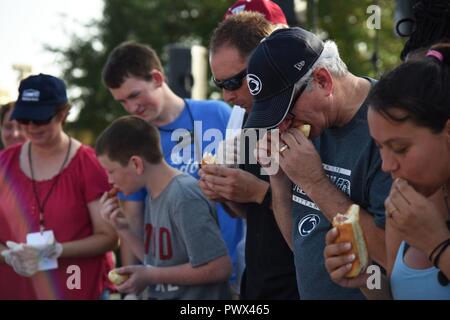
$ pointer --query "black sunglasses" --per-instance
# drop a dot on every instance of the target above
(233, 83)
(35, 122)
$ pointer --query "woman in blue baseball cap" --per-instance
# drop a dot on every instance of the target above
(52, 237)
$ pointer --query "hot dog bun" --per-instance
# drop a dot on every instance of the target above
(113, 192)
(350, 231)
(116, 278)
(305, 129)
(208, 158)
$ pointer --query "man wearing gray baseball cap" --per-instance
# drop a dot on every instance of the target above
(295, 79)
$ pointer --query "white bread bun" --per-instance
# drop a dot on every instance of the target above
(350, 231)
(116, 278)
(305, 129)
(208, 158)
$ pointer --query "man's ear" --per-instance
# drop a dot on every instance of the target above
(157, 78)
(137, 164)
(324, 80)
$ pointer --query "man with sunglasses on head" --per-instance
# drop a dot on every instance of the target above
(134, 75)
(303, 80)
(269, 271)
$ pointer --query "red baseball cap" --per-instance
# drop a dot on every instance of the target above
(269, 9)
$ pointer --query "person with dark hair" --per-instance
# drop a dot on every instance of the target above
(184, 256)
(409, 118)
(296, 79)
(269, 271)
(431, 24)
(230, 39)
(134, 75)
(11, 132)
(50, 188)
(275, 15)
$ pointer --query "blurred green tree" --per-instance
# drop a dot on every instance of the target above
(160, 23)
(345, 22)
(157, 23)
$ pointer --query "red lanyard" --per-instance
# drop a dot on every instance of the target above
(41, 206)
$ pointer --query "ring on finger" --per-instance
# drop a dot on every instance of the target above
(284, 148)
(391, 212)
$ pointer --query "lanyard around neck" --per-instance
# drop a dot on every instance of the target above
(42, 205)
(197, 147)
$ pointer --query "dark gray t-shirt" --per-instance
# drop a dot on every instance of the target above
(352, 162)
(181, 227)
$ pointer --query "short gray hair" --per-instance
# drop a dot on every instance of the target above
(330, 60)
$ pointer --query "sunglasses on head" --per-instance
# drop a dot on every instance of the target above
(35, 122)
(233, 83)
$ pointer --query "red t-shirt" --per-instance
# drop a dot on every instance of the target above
(66, 213)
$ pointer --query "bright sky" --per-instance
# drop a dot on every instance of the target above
(27, 25)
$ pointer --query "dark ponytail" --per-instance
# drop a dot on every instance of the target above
(419, 87)
(431, 19)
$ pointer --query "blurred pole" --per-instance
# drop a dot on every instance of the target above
(312, 10)
(188, 70)
(315, 15)
(376, 49)
(404, 17)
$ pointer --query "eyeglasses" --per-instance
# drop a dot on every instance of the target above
(297, 96)
(233, 83)
(301, 90)
(35, 122)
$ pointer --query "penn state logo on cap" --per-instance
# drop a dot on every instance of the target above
(308, 224)
(254, 84)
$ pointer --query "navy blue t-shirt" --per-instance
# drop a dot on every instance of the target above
(352, 162)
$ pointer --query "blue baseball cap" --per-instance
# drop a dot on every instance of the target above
(276, 65)
(39, 97)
